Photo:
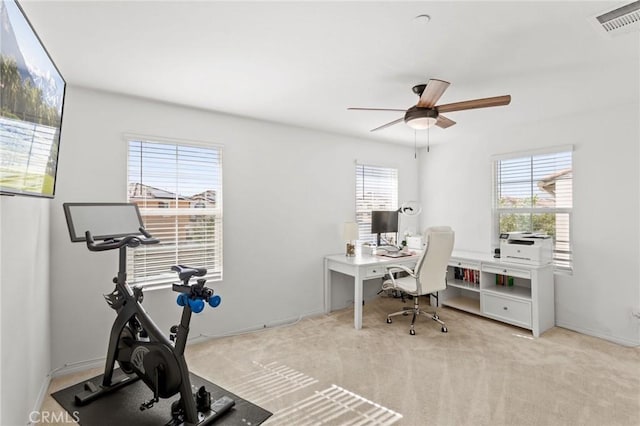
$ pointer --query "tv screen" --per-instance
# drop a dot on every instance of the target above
(383, 221)
(31, 99)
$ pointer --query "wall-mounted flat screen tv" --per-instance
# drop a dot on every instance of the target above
(31, 99)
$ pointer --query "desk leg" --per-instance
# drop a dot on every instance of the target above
(327, 287)
(357, 300)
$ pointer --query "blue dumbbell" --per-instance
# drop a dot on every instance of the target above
(214, 301)
(182, 299)
(196, 305)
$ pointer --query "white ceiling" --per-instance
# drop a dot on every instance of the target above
(303, 63)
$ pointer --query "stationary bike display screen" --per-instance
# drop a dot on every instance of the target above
(103, 220)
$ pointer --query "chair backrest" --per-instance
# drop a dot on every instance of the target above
(431, 269)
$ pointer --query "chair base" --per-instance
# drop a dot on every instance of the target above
(416, 312)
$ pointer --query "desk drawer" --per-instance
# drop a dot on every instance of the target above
(507, 270)
(517, 312)
(374, 272)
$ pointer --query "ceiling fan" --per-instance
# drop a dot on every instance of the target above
(426, 113)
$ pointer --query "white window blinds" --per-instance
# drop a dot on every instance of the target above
(178, 189)
(534, 193)
(376, 189)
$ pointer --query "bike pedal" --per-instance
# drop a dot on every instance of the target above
(203, 399)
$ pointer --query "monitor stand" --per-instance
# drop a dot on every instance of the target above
(387, 247)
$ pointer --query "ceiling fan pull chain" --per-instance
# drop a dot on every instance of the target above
(415, 145)
(428, 139)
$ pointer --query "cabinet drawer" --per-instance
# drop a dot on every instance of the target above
(374, 272)
(464, 264)
(517, 312)
(502, 270)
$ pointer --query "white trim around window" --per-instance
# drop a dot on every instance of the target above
(533, 192)
(178, 187)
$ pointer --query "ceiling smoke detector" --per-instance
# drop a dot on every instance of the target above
(618, 21)
(422, 19)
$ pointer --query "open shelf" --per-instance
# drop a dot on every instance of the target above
(465, 285)
(514, 291)
(466, 304)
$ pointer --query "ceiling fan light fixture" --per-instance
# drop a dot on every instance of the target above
(421, 123)
(421, 118)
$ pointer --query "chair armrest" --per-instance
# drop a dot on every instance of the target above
(391, 269)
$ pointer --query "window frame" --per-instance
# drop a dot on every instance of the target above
(217, 212)
(496, 211)
(368, 237)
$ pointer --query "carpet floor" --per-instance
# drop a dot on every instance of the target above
(321, 370)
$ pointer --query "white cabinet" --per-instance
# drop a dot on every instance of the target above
(517, 294)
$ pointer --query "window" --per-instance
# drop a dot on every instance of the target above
(376, 189)
(534, 193)
(178, 188)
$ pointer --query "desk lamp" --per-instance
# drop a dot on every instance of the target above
(350, 235)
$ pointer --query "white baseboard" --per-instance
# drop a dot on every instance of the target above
(99, 362)
(77, 367)
(615, 339)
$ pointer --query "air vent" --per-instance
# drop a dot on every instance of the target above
(622, 20)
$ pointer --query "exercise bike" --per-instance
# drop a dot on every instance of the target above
(136, 343)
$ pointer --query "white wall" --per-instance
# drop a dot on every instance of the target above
(598, 299)
(286, 192)
(24, 284)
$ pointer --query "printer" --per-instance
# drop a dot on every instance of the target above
(526, 247)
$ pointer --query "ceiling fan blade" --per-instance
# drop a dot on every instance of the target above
(476, 103)
(444, 122)
(435, 88)
(376, 109)
(399, 120)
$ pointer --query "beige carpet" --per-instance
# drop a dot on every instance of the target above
(322, 371)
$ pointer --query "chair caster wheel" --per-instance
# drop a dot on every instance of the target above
(435, 316)
(412, 332)
(388, 320)
(444, 329)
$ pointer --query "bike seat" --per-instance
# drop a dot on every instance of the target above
(185, 272)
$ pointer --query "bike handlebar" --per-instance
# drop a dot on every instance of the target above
(129, 241)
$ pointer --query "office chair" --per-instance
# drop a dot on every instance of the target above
(429, 275)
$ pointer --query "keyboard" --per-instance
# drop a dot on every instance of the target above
(396, 254)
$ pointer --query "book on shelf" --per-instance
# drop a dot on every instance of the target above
(504, 280)
(470, 276)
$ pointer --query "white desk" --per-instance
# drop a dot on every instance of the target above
(529, 303)
(360, 267)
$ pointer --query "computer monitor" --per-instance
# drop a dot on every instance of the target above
(384, 221)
